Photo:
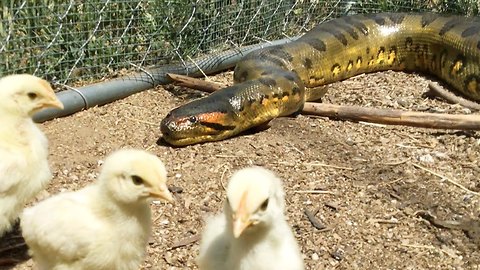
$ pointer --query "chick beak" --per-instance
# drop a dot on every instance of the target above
(162, 194)
(53, 102)
(241, 221)
(50, 98)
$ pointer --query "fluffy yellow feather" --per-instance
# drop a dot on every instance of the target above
(24, 169)
(103, 226)
(252, 232)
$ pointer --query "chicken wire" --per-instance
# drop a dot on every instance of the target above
(87, 40)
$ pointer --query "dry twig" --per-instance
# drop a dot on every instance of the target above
(395, 117)
(185, 241)
(390, 182)
(446, 178)
(397, 163)
(140, 121)
(439, 91)
(8, 248)
(383, 221)
(229, 156)
(196, 65)
(328, 166)
(221, 178)
(315, 192)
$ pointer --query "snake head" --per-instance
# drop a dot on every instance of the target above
(203, 120)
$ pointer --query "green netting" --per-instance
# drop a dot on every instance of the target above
(68, 41)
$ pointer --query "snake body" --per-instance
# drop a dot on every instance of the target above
(276, 81)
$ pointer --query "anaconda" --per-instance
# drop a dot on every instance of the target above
(276, 81)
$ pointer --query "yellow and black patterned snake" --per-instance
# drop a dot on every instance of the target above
(276, 81)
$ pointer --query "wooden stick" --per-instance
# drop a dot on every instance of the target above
(395, 117)
(356, 113)
(195, 83)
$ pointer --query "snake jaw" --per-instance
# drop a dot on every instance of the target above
(198, 128)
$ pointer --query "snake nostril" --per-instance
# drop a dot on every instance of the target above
(165, 126)
(165, 130)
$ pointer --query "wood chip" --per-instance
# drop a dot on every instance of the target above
(186, 241)
(332, 205)
(315, 222)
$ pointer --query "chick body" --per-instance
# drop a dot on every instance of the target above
(103, 226)
(252, 232)
(24, 168)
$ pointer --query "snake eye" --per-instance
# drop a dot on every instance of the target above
(192, 119)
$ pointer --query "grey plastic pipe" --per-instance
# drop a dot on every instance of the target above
(75, 100)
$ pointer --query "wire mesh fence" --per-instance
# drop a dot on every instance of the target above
(85, 40)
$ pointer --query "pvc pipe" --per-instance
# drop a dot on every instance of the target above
(77, 99)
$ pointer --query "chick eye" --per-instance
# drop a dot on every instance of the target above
(137, 180)
(264, 205)
(32, 95)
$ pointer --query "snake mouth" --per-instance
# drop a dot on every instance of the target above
(186, 130)
(177, 138)
(188, 141)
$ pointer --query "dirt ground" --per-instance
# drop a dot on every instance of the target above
(377, 180)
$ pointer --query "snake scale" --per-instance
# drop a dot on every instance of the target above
(276, 81)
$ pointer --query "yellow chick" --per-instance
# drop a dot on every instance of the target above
(252, 233)
(24, 169)
(105, 225)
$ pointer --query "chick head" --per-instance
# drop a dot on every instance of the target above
(132, 176)
(24, 95)
(254, 199)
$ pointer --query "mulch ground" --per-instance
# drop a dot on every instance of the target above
(380, 197)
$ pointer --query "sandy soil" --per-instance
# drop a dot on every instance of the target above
(376, 178)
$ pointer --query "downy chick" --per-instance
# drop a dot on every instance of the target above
(24, 168)
(103, 226)
(252, 233)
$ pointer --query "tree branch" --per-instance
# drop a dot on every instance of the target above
(395, 117)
